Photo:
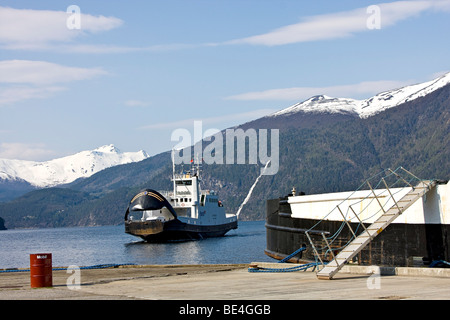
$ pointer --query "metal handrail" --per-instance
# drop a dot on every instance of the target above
(391, 195)
(381, 175)
(314, 248)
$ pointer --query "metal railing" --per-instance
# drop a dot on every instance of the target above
(382, 187)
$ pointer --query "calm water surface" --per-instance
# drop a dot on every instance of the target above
(85, 246)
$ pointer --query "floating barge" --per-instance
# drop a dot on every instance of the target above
(417, 237)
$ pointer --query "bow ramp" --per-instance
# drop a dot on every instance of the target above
(390, 210)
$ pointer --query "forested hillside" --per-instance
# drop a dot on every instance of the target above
(318, 153)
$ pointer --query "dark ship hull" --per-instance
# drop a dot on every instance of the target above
(401, 244)
(175, 230)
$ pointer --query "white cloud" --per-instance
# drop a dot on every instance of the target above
(366, 88)
(42, 72)
(16, 94)
(25, 79)
(25, 151)
(46, 30)
(100, 49)
(38, 29)
(26, 29)
(342, 24)
(136, 103)
(237, 118)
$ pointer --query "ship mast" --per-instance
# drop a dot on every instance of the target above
(196, 165)
(173, 175)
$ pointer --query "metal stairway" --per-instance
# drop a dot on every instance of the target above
(370, 232)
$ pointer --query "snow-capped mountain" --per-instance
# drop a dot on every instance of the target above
(368, 107)
(66, 169)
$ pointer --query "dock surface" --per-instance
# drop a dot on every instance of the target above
(225, 282)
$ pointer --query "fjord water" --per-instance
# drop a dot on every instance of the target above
(87, 246)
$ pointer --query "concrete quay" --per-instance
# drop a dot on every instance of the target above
(232, 282)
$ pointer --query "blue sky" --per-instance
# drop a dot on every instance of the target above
(137, 70)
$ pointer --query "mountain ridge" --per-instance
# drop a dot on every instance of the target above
(319, 152)
(367, 107)
(66, 169)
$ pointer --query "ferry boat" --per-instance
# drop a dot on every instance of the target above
(419, 236)
(186, 213)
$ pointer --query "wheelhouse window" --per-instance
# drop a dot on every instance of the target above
(202, 200)
(184, 182)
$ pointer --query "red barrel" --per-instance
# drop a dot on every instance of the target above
(41, 270)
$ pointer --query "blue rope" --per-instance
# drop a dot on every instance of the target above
(292, 254)
(290, 269)
(436, 262)
(14, 270)
(97, 266)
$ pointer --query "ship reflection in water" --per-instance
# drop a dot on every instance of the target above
(232, 248)
(86, 246)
